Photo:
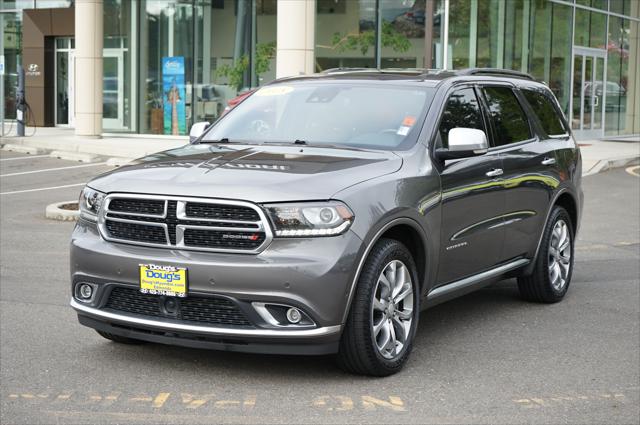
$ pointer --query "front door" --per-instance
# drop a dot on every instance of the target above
(473, 200)
(113, 89)
(64, 81)
(589, 93)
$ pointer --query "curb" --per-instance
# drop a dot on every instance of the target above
(74, 156)
(22, 149)
(54, 212)
(609, 164)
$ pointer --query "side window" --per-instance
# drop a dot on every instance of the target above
(462, 110)
(510, 122)
(545, 111)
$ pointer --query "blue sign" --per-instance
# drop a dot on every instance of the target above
(174, 95)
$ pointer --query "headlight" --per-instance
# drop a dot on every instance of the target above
(90, 203)
(313, 219)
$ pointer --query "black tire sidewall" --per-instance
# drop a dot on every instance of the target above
(557, 214)
(382, 254)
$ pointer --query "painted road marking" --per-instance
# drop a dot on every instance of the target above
(42, 188)
(24, 157)
(248, 402)
(634, 170)
(536, 402)
(22, 173)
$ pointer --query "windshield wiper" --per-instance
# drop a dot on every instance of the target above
(223, 140)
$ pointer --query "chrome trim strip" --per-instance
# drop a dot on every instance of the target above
(263, 225)
(327, 330)
(471, 280)
(500, 221)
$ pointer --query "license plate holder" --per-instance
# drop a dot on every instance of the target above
(163, 280)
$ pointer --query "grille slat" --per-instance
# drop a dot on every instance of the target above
(209, 310)
(220, 212)
(246, 228)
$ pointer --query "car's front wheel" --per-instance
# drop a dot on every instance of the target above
(551, 275)
(382, 321)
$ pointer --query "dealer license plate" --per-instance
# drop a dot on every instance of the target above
(163, 280)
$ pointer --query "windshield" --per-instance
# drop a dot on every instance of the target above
(355, 114)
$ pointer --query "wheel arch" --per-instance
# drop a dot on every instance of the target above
(405, 230)
(567, 200)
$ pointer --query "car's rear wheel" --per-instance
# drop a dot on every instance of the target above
(551, 275)
(119, 339)
(379, 332)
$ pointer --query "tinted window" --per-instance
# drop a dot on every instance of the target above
(545, 112)
(462, 110)
(509, 120)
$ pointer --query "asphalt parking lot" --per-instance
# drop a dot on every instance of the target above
(485, 358)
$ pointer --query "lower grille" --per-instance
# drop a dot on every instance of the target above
(209, 310)
(222, 239)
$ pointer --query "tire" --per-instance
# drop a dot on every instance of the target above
(360, 351)
(540, 285)
(120, 339)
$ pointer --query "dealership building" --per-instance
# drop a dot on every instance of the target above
(157, 66)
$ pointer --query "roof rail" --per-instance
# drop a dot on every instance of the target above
(347, 69)
(495, 71)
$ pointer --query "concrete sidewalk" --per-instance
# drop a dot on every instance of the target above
(598, 155)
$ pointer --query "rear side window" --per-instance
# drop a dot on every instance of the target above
(510, 122)
(462, 110)
(546, 112)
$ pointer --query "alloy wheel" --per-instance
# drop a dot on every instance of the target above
(392, 309)
(559, 255)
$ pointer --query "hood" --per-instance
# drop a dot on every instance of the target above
(258, 173)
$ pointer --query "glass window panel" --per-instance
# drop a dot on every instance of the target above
(119, 68)
(596, 4)
(16, 4)
(459, 33)
(598, 93)
(48, 4)
(462, 110)
(509, 121)
(403, 33)
(62, 88)
(11, 33)
(577, 91)
(488, 33)
(347, 40)
(550, 48)
(514, 15)
(166, 31)
(588, 90)
(590, 29)
(547, 114)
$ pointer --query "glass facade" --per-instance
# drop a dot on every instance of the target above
(587, 51)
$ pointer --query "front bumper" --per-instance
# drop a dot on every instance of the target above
(314, 275)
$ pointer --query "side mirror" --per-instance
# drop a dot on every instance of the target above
(196, 130)
(463, 143)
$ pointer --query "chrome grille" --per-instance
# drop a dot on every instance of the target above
(184, 223)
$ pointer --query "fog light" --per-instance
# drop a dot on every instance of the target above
(294, 315)
(85, 291)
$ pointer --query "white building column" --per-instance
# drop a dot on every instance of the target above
(89, 35)
(296, 37)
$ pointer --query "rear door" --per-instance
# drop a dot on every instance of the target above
(472, 201)
(530, 166)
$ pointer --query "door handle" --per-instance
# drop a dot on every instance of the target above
(495, 172)
(548, 161)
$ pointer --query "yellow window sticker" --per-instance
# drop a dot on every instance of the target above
(274, 91)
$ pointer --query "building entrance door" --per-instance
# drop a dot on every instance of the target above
(64, 81)
(113, 89)
(589, 92)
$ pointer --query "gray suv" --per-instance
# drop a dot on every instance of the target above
(324, 212)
